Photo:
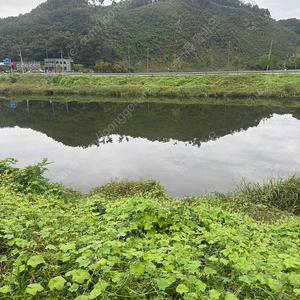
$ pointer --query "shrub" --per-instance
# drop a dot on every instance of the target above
(29, 179)
(125, 189)
(289, 88)
(15, 77)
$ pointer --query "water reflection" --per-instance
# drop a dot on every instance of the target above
(189, 148)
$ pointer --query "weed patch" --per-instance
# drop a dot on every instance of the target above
(120, 242)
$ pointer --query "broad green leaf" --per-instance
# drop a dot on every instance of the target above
(70, 272)
(209, 271)
(190, 296)
(81, 275)
(33, 288)
(8, 236)
(214, 294)
(3, 258)
(19, 269)
(200, 286)
(116, 277)
(11, 242)
(193, 266)
(74, 287)
(102, 262)
(65, 257)
(275, 285)
(161, 222)
(35, 260)
(19, 261)
(296, 291)
(98, 289)
(182, 288)
(5, 289)
(56, 283)
(148, 226)
(245, 279)
(50, 247)
(82, 297)
(192, 279)
(67, 247)
(162, 284)
(170, 268)
(133, 226)
(291, 263)
(224, 261)
(230, 296)
(213, 258)
(137, 269)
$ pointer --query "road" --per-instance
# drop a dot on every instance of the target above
(176, 73)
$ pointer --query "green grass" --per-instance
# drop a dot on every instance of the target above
(269, 202)
(213, 86)
(128, 240)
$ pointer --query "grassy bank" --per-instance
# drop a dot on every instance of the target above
(129, 240)
(212, 86)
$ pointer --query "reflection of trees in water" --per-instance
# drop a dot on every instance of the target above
(76, 124)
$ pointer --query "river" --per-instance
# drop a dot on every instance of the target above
(190, 148)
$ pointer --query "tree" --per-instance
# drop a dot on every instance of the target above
(103, 67)
(236, 63)
(118, 68)
(78, 67)
(160, 63)
(264, 61)
(4, 68)
(295, 59)
(274, 62)
(58, 68)
(176, 65)
(207, 61)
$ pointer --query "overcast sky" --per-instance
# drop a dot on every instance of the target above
(280, 9)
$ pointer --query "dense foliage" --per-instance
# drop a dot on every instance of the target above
(145, 246)
(99, 36)
(293, 24)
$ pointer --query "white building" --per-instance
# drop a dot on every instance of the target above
(67, 64)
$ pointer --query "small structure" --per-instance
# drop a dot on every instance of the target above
(66, 64)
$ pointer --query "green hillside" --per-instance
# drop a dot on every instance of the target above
(293, 24)
(200, 29)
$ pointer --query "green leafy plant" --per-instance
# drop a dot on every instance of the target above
(123, 243)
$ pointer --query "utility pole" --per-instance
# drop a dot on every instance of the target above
(21, 60)
(61, 54)
(128, 60)
(228, 58)
(287, 56)
(270, 54)
(148, 59)
(47, 54)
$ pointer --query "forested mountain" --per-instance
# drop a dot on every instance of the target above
(182, 34)
(293, 24)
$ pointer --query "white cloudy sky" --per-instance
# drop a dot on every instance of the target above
(280, 9)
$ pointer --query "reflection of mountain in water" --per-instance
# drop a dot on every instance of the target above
(76, 124)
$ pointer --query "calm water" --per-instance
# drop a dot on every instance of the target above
(191, 149)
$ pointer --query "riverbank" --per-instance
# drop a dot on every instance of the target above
(253, 86)
(130, 240)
